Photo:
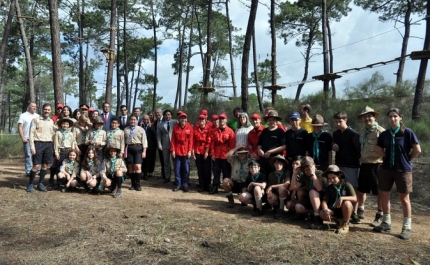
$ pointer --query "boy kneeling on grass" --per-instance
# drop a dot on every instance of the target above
(255, 184)
(339, 197)
(114, 170)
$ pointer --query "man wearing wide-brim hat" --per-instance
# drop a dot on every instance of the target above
(319, 143)
(96, 137)
(239, 160)
(271, 142)
(370, 161)
(310, 187)
(278, 184)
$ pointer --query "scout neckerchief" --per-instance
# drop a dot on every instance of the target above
(111, 133)
(95, 133)
(366, 132)
(279, 176)
(393, 142)
(132, 133)
(70, 165)
(91, 164)
(112, 165)
(338, 189)
(256, 177)
(64, 134)
(241, 171)
(317, 145)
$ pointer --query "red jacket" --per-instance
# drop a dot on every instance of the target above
(253, 137)
(222, 142)
(201, 137)
(182, 139)
(209, 125)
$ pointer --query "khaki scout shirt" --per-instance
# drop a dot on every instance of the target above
(118, 164)
(139, 136)
(115, 140)
(368, 153)
(94, 170)
(80, 133)
(98, 136)
(70, 168)
(69, 141)
(41, 130)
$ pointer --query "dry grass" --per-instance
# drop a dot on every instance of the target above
(72, 228)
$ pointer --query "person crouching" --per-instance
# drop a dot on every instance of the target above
(255, 184)
(114, 170)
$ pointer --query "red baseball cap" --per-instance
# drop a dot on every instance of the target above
(214, 117)
(182, 114)
(59, 106)
(179, 113)
(255, 116)
(204, 112)
(202, 117)
(223, 116)
(91, 109)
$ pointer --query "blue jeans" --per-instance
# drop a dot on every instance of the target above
(28, 159)
(182, 170)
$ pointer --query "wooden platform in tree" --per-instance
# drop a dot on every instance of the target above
(274, 87)
(418, 55)
(329, 76)
(207, 89)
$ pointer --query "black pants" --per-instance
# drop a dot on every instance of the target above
(203, 170)
(160, 155)
(148, 163)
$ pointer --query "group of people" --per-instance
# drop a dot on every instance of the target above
(291, 171)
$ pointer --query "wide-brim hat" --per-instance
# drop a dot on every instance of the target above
(334, 169)
(369, 110)
(272, 114)
(241, 151)
(281, 158)
(98, 120)
(318, 120)
(113, 147)
(68, 120)
(307, 161)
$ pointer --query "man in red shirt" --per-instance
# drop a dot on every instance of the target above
(254, 135)
(200, 155)
(181, 146)
(223, 139)
(58, 110)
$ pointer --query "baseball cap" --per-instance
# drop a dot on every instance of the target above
(214, 117)
(204, 112)
(223, 116)
(59, 106)
(294, 115)
(255, 116)
(202, 117)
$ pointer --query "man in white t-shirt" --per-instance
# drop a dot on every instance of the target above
(24, 123)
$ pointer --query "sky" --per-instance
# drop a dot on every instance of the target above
(374, 42)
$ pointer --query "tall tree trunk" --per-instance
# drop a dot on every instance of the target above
(330, 49)
(325, 53)
(57, 67)
(230, 49)
(132, 81)
(82, 92)
(307, 58)
(199, 30)
(418, 98)
(111, 54)
(87, 74)
(137, 84)
(29, 78)
(120, 93)
(257, 83)
(407, 22)
(190, 43)
(3, 56)
(126, 87)
(273, 35)
(245, 54)
(207, 69)
(154, 29)
(214, 69)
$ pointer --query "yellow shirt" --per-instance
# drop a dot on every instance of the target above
(306, 124)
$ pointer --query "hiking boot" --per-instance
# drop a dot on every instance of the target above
(355, 219)
(383, 227)
(377, 221)
(360, 213)
(257, 213)
(298, 217)
(230, 201)
(278, 214)
(214, 190)
(40, 187)
(316, 224)
(30, 188)
(405, 234)
(343, 229)
(267, 206)
(118, 193)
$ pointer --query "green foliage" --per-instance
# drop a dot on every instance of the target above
(10, 145)
(392, 10)
(264, 74)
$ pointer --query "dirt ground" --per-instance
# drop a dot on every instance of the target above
(158, 226)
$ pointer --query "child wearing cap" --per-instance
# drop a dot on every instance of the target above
(295, 138)
(239, 164)
(278, 184)
(114, 170)
(96, 137)
(203, 161)
(319, 143)
(338, 200)
(254, 136)
(255, 185)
